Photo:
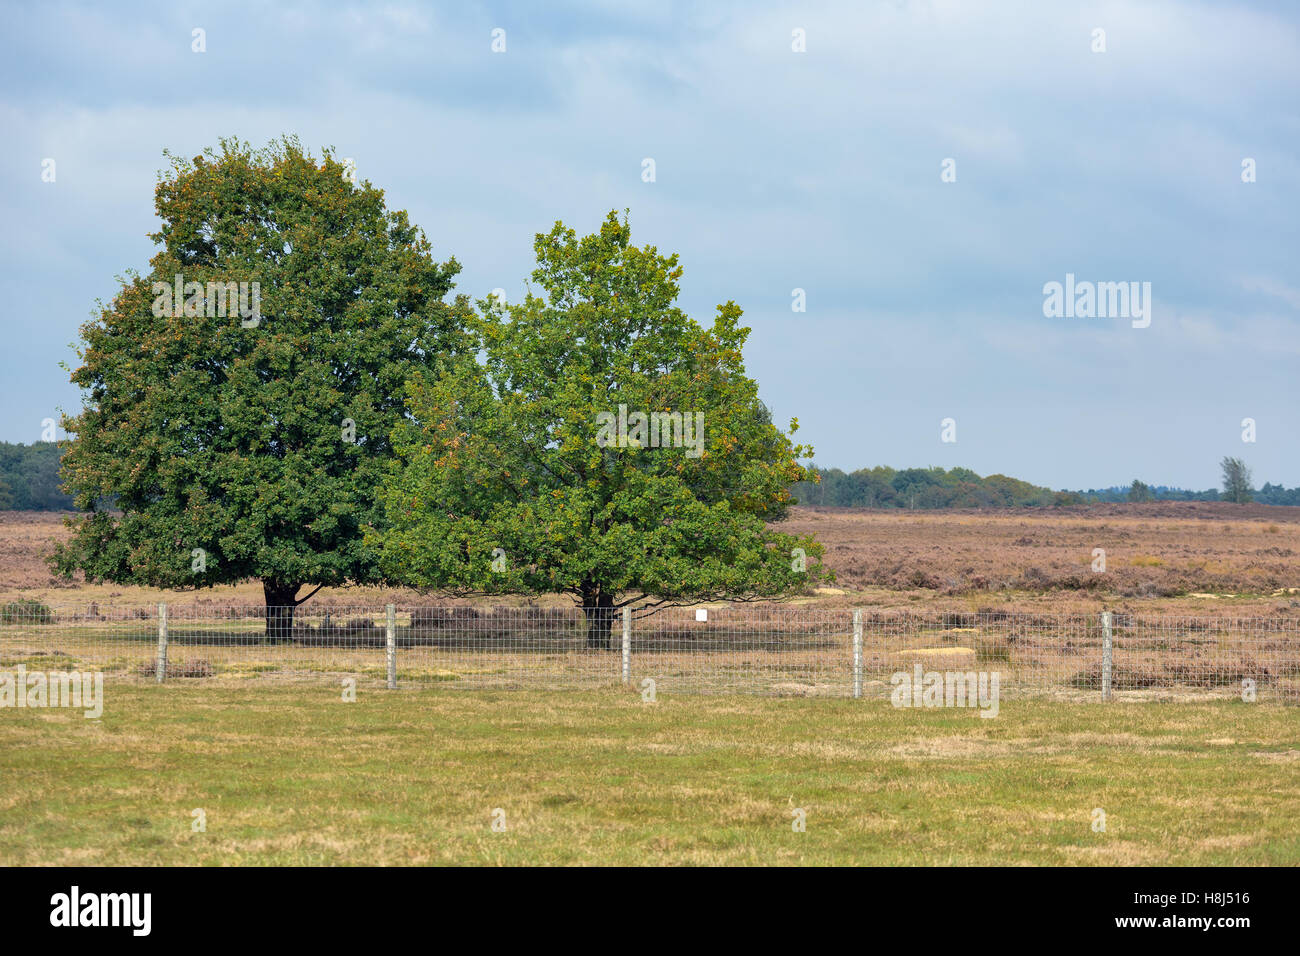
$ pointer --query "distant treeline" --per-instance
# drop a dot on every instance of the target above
(29, 481)
(29, 478)
(885, 487)
(1269, 494)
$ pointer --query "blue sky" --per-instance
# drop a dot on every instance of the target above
(775, 170)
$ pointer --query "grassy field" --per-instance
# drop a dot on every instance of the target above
(293, 775)
(288, 773)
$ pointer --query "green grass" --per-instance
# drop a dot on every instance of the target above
(293, 775)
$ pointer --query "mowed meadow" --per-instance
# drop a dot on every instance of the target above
(1185, 558)
(294, 776)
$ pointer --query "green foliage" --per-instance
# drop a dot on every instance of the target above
(25, 611)
(884, 487)
(505, 486)
(29, 478)
(1236, 480)
(923, 488)
(1139, 491)
(1271, 494)
(1119, 493)
(231, 439)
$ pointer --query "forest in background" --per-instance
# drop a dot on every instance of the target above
(29, 481)
(931, 488)
(29, 478)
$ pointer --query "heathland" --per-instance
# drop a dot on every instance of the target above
(1190, 558)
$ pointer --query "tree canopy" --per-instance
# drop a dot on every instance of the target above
(601, 443)
(238, 399)
(1236, 480)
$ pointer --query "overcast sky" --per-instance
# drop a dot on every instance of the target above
(775, 170)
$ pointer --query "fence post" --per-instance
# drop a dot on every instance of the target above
(627, 645)
(857, 653)
(391, 641)
(1105, 655)
(161, 670)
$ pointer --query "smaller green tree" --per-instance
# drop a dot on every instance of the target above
(1139, 491)
(604, 446)
(1236, 480)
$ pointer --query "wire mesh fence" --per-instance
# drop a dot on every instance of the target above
(769, 649)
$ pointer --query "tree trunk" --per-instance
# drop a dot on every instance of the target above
(600, 613)
(281, 600)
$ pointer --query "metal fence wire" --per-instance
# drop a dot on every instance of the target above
(765, 649)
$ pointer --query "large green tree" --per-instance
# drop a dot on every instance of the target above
(514, 476)
(240, 431)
